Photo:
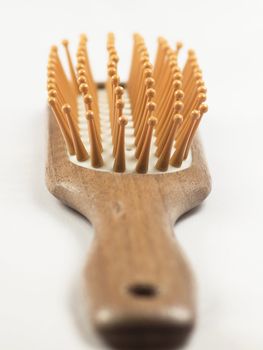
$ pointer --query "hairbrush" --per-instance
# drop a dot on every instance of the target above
(127, 156)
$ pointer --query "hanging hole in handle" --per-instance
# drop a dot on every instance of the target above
(143, 290)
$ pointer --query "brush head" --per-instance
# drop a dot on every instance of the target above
(158, 91)
(145, 128)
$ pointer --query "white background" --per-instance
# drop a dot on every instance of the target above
(43, 244)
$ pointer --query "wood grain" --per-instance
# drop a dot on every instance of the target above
(139, 287)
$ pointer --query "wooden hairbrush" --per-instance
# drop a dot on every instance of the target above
(127, 157)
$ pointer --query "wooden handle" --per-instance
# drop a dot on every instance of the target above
(138, 283)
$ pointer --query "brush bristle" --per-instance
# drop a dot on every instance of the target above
(166, 106)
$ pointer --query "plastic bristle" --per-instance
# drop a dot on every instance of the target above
(163, 161)
(95, 147)
(62, 125)
(154, 116)
(119, 163)
(71, 67)
(184, 139)
(143, 159)
(80, 151)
